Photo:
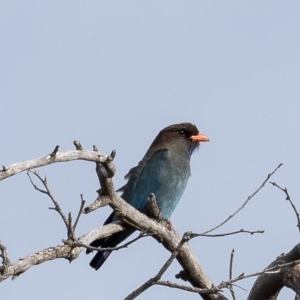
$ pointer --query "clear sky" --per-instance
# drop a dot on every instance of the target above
(113, 73)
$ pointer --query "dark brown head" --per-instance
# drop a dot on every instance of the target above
(183, 137)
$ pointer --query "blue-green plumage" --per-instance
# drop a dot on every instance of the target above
(164, 171)
(162, 177)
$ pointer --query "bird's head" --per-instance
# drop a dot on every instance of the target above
(184, 137)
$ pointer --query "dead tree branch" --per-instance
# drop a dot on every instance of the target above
(101, 201)
(65, 156)
(125, 245)
(230, 275)
(5, 259)
(67, 251)
(157, 277)
(286, 266)
(48, 192)
(169, 239)
(246, 202)
(288, 198)
(283, 272)
(193, 235)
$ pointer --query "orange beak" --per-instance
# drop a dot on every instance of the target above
(200, 137)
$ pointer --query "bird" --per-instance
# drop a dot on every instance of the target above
(164, 171)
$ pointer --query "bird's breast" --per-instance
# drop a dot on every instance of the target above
(166, 175)
(174, 176)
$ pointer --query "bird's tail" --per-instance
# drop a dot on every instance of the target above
(109, 242)
(99, 259)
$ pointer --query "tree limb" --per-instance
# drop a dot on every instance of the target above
(288, 198)
(285, 273)
(50, 159)
(169, 238)
(67, 251)
(246, 202)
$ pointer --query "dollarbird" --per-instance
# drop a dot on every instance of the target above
(163, 171)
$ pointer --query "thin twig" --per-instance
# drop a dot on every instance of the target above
(140, 236)
(79, 212)
(34, 185)
(246, 202)
(185, 238)
(288, 198)
(224, 284)
(48, 192)
(53, 154)
(230, 275)
(157, 277)
(187, 288)
(193, 235)
(78, 145)
(274, 269)
(71, 233)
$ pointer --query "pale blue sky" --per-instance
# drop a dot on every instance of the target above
(113, 73)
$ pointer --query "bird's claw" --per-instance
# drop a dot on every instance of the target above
(169, 225)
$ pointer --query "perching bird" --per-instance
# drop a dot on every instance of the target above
(164, 171)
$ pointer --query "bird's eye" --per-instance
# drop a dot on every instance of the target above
(182, 132)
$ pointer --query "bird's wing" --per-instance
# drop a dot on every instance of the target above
(134, 172)
(145, 180)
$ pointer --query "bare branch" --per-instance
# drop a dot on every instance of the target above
(49, 193)
(213, 290)
(193, 235)
(172, 241)
(101, 201)
(5, 259)
(79, 212)
(53, 154)
(246, 202)
(140, 236)
(169, 238)
(226, 284)
(288, 198)
(65, 156)
(128, 214)
(274, 269)
(152, 207)
(157, 277)
(34, 185)
(77, 145)
(67, 251)
(230, 275)
(107, 168)
(284, 271)
(71, 233)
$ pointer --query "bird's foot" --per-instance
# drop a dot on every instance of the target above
(169, 225)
